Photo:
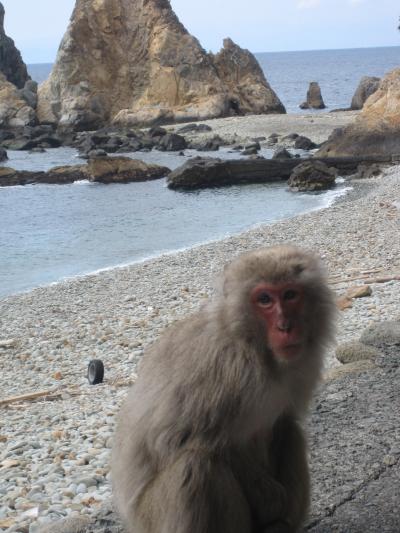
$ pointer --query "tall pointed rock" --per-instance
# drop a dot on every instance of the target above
(132, 62)
(11, 64)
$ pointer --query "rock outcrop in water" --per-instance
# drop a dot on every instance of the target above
(131, 62)
(101, 170)
(11, 64)
(376, 131)
(312, 176)
(314, 97)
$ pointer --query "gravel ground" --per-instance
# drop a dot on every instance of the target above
(54, 453)
(316, 126)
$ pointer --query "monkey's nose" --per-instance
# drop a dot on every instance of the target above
(284, 325)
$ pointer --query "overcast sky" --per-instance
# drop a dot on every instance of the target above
(37, 26)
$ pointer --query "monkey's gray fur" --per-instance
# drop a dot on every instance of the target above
(209, 439)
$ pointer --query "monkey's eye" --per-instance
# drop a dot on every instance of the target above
(290, 294)
(264, 298)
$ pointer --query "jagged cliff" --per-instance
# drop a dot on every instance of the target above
(11, 64)
(376, 131)
(132, 62)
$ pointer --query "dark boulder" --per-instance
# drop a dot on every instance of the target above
(312, 176)
(273, 138)
(207, 145)
(20, 144)
(6, 135)
(10, 177)
(172, 142)
(314, 97)
(156, 131)
(93, 154)
(367, 86)
(197, 173)
(204, 172)
(49, 141)
(304, 143)
(194, 128)
(11, 63)
(30, 138)
(65, 174)
(56, 175)
(251, 149)
(3, 154)
(282, 153)
(290, 137)
(36, 131)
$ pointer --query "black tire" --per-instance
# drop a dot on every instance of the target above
(95, 373)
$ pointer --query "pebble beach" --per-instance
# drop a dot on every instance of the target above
(55, 450)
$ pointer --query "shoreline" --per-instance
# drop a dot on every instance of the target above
(60, 449)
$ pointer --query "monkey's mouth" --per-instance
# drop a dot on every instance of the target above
(287, 344)
(289, 351)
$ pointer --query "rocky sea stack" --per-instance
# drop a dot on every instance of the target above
(131, 62)
(376, 131)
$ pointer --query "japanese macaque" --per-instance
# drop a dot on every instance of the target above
(210, 437)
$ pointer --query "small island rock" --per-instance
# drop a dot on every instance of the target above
(101, 169)
(123, 170)
(314, 97)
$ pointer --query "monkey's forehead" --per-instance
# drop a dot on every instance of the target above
(274, 264)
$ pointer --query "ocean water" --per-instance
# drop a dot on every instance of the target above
(49, 232)
(338, 73)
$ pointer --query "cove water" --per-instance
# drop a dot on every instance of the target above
(52, 232)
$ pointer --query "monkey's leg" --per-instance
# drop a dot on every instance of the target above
(196, 494)
(289, 455)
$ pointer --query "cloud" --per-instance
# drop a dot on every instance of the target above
(308, 4)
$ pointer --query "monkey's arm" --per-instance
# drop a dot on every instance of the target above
(265, 495)
(288, 452)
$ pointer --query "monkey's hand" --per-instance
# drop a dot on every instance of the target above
(268, 501)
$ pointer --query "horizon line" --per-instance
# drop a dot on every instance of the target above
(275, 52)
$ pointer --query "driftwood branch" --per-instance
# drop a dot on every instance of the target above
(29, 397)
(366, 279)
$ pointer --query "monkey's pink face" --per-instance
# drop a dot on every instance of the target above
(281, 307)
